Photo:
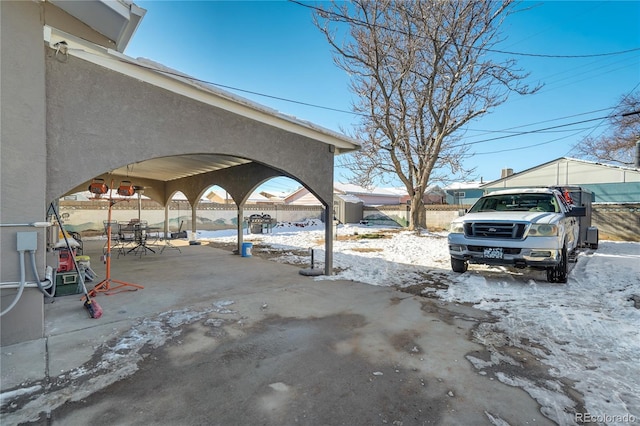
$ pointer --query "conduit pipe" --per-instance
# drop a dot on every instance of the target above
(33, 224)
(43, 286)
(23, 283)
(21, 287)
(48, 282)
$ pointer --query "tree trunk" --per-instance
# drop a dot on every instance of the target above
(418, 216)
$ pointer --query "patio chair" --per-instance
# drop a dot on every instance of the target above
(127, 234)
(116, 239)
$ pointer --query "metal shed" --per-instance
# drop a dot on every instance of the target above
(347, 208)
(608, 183)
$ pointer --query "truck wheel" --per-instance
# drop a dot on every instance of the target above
(563, 267)
(458, 265)
(559, 273)
(551, 275)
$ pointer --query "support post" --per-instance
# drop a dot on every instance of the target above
(328, 240)
(239, 221)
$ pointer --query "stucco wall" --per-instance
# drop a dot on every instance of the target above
(127, 121)
(23, 159)
(65, 121)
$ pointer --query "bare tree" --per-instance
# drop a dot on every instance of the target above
(617, 144)
(421, 70)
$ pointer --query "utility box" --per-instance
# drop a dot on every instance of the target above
(27, 241)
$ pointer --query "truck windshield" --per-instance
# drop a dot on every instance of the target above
(516, 202)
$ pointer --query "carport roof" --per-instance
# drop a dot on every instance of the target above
(176, 167)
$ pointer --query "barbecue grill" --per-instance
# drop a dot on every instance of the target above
(258, 222)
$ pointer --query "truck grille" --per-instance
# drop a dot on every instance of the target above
(503, 230)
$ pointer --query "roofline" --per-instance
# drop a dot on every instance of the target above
(130, 15)
(185, 85)
(535, 189)
(630, 169)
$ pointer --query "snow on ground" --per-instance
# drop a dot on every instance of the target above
(586, 330)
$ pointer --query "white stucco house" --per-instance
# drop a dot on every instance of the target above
(57, 55)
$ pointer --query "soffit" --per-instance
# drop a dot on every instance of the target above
(177, 167)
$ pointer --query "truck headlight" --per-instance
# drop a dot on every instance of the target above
(543, 230)
(456, 228)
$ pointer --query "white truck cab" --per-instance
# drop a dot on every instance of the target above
(535, 227)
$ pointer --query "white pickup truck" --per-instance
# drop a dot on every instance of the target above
(535, 227)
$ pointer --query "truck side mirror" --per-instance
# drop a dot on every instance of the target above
(462, 212)
(577, 211)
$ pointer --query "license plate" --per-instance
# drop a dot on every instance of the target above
(493, 253)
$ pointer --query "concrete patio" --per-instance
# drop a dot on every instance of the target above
(228, 339)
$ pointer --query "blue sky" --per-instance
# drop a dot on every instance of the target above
(273, 48)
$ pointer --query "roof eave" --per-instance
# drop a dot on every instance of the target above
(116, 20)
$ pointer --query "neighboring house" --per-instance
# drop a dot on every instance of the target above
(609, 184)
(433, 195)
(274, 198)
(220, 196)
(302, 197)
(345, 193)
(463, 193)
(372, 197)
(257, 198)
(369, 197)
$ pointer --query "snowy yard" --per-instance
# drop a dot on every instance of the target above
(585, 331)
